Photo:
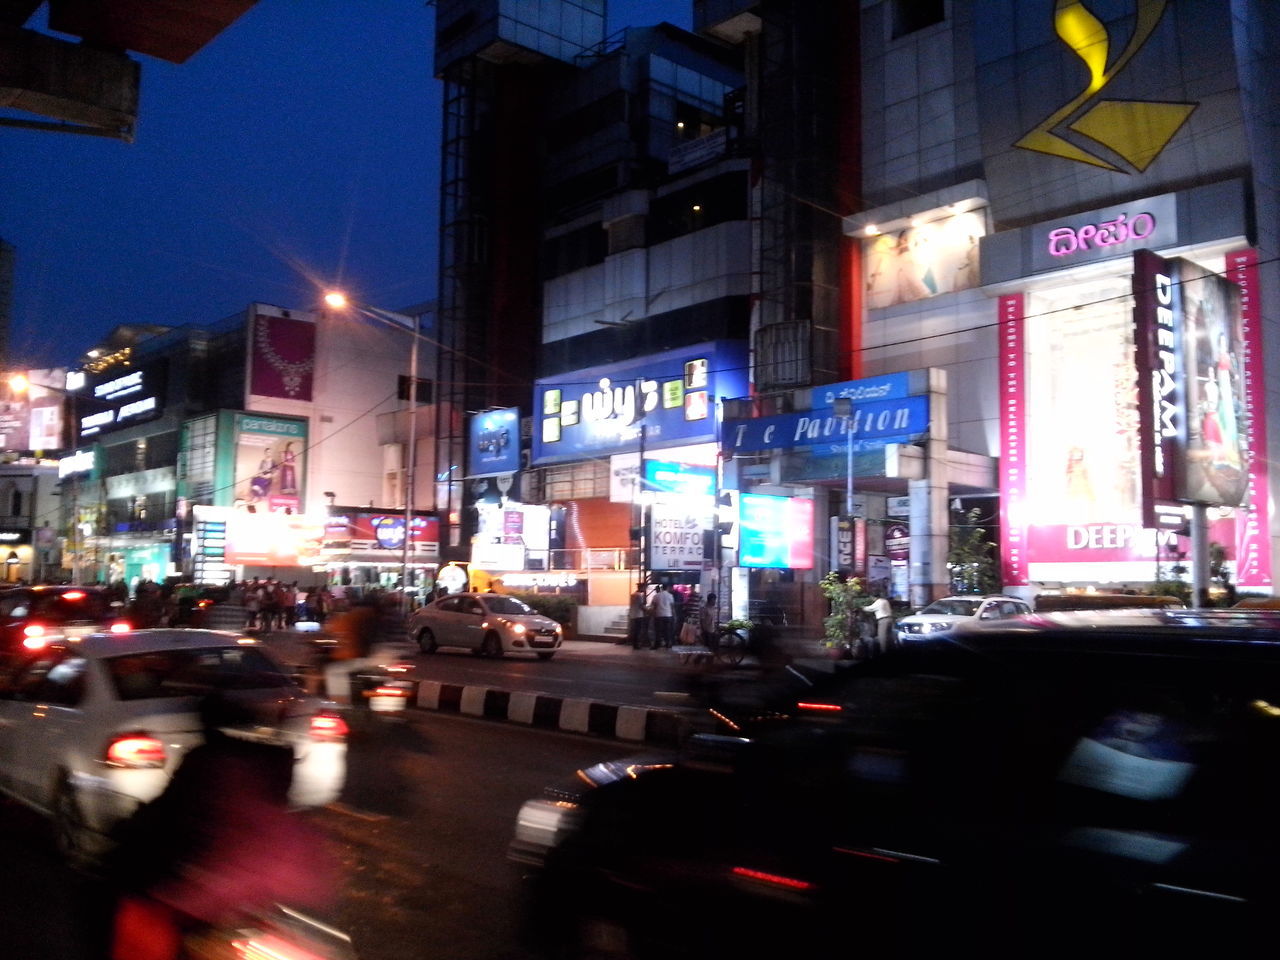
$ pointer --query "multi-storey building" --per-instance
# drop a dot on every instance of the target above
(281, 430)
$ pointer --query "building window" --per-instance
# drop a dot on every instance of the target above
(912, 15)
(15, 504)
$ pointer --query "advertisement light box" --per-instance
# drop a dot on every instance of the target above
(776, 532)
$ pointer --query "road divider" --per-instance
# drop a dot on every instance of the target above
(646, 725)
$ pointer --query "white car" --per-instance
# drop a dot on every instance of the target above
(92, 727)
(943, 615)
(489, 624)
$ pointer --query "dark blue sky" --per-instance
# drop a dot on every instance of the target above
(300, 148)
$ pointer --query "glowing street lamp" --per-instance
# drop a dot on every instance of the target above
(338, 300)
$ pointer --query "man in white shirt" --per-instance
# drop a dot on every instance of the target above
(883, 612)
(664, 617)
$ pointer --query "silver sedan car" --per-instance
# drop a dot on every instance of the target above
(91, 727)
(487, 624)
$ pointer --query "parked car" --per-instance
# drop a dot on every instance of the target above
(34, 615)
(487, 624)
(93, 726)
(946, 613)
(1083, 784)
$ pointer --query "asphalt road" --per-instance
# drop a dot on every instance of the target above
(421, 832)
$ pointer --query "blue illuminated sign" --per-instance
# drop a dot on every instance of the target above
(494, 446)
(873, 425)
(661, 476)
(599, 411)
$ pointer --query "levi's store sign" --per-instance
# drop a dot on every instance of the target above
(671, 396)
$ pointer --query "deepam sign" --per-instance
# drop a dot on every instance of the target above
(1102, 234)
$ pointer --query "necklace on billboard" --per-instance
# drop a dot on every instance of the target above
(291, 374)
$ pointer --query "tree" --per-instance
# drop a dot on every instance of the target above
(844, 624)
(971, 558)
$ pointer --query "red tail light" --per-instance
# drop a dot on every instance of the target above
(121, 626)
(772, 879)
(73, 595)
(328, 726)
(136, 751)
(819, 707)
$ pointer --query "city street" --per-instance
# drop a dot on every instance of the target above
(421, 832)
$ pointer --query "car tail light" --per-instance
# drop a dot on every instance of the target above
(136, 751)
(328, 726)
(772, 879)
(73, 595)
(33, 636)
(819, 707)
(121, 626)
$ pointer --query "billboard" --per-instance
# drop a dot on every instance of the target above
(775, 532)
(31, 417)
(494, 447)
(262, 462)
(282, 357)
(1190, 354)
(370, 534)
(600, 411)
(925, 260)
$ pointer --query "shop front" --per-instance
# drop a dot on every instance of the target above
(629, 471)
(1134, 414)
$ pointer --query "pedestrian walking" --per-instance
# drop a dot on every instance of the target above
(664, 617)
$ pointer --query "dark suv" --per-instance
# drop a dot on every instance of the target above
(1083, 784)
(33, 615)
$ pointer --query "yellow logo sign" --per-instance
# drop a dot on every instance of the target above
(1121, 135)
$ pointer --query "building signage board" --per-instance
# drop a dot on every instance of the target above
(79, 463)
(601, 410)
(379, 535)
(775, 532)
(1013, 455)
(119, 399)
(1253, 548)
(262, 461)
(494, 446)
(873, 425)
(666, 479)
(675, 537)
(1190, 355)
(891, 386)
(1116, 231)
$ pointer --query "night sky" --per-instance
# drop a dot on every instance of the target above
(298, 150)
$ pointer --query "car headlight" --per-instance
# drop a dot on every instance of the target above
(559, 628)
(540, 825)
(935, 627)
(516, 628)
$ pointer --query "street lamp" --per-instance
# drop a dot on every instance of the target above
(338, 301)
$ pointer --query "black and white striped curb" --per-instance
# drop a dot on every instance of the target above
(646, 725)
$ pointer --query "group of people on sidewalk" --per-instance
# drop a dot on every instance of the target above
(652, 619)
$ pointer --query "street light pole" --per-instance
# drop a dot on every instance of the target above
(339, 301)
(843, 408)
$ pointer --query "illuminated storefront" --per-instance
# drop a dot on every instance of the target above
(1132, 392)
